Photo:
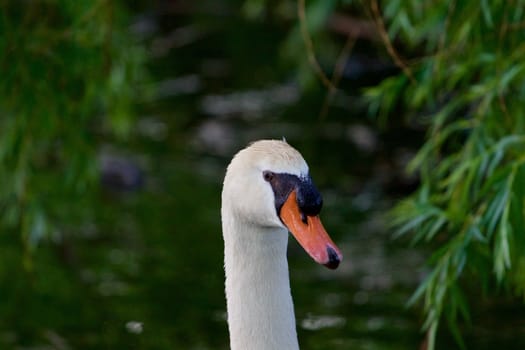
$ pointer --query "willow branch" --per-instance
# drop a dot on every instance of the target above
(337, 74)
(378, 19)
(310, 46)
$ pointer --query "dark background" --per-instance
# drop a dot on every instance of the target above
(134, 259)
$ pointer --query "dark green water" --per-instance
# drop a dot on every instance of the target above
(148, 274)
(153, 260)
(146, 271)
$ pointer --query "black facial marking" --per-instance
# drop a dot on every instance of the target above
(309, 199)
(282, 186)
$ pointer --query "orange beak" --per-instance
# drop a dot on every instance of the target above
(310, 233)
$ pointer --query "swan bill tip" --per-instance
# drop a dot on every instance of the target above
(333, 258)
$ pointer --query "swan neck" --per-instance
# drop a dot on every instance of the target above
(259, 301)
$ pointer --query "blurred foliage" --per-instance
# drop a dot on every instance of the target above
(69, 71)
(465, 82)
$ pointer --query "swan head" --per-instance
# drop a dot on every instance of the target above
(267, 184)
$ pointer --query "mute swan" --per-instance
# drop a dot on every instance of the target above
(267, 192)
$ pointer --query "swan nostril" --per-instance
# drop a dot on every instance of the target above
(304, 218)
(333, 258)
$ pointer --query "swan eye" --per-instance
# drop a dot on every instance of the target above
(268, 175)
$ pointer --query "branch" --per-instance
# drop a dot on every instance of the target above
(338, 73)
(376, 14)
(310, 47)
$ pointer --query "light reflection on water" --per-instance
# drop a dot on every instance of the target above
(316, 322)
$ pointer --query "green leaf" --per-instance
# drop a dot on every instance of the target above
(487, 15)
(509, 76)
(495, 210)
(502, 260)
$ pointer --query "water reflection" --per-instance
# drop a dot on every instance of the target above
(250, 104)
(316, 322)
(134, 327)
